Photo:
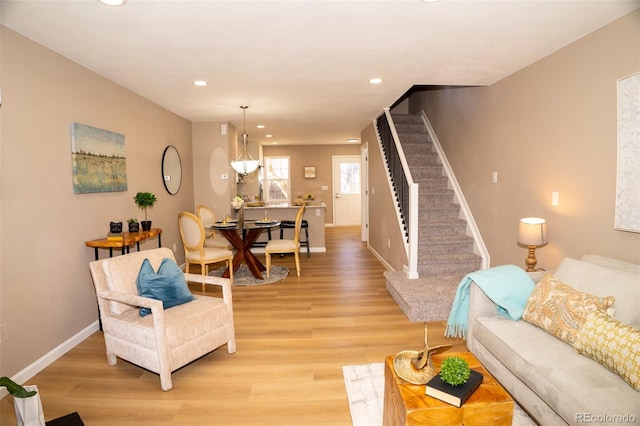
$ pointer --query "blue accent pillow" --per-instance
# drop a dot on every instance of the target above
(167, 285)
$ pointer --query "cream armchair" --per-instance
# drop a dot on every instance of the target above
(168, 338)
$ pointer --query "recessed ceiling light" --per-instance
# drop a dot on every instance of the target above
(375, 80)
(261, 126)
(352, 141)
(268, 136)
(430, 1)
(200, 83)
(274, 143)
(113, 2)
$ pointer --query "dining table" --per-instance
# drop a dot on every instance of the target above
(242, 236)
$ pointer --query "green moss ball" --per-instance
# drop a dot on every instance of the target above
(455, 371)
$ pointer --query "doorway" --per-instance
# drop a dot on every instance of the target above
(347, 190)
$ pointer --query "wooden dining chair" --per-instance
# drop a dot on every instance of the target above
(193, 236)
(286, 246)
(206, 216)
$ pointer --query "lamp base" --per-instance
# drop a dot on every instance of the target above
(531, 260)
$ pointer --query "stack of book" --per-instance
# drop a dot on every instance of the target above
(115, 236)
(454, 395)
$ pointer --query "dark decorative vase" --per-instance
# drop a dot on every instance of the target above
(115, 227)
(146, 225)
(134, 227)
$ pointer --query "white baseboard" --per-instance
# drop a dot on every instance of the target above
(380, 258)
(31, 370)
(302, 249)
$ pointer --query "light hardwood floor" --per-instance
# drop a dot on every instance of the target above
(293, 337)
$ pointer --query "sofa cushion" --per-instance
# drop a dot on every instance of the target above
(167, 285)
(602, 281)
(611, 263)
(571, 385)
(560, 309)
(612, 344)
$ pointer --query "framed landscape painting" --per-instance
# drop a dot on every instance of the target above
(98, 160)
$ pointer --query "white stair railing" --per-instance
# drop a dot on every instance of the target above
(411, 242)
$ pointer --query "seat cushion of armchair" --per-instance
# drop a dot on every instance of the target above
(183, 323)
(570, 383)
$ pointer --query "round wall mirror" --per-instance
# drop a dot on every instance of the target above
(171, 169)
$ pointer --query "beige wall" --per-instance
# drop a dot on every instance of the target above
(312, 155)
(46, 291)
(212, 153)
(550, 127)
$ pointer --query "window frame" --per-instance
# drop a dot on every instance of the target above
(267, 180)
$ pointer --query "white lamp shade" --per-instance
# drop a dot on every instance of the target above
(244, 166)
(245, 163)
(532, 231)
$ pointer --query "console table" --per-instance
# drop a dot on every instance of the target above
(128, 239)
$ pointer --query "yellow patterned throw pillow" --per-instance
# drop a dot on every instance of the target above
(560, 309)
(612, 344)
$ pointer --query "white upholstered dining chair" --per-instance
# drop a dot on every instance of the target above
(286, 246)
(212, 239)
(195, 253)
(168, 338)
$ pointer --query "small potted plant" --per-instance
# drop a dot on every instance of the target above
(26, 401)
(455, 383)
(144, 200)
(134, 225)
(455, 371)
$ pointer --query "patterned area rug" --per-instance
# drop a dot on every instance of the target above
(243, 276)
(365, 390)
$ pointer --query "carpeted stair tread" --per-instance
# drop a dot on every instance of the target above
(426, 172)
(435, 199)
(448, 239)
(436, 183)
(437, 213)
(406, 118)
(423, 299)
(442, 226)
(410, 128)
(442, 258)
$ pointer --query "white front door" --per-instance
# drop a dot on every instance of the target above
(346, 190)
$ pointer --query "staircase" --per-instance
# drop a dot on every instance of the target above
(445, 251)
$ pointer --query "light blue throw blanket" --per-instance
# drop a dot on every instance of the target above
(508, 286)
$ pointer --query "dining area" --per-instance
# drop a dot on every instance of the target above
(234, 241)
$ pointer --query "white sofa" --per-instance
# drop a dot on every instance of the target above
(552, 382)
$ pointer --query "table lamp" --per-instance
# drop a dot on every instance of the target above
(532, 233)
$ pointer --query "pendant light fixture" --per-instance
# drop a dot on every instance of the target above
(245, 163)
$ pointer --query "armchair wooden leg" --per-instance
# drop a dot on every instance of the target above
(112, 359)
(231, 344)
(165, 381)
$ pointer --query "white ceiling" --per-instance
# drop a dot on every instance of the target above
(303, 66)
